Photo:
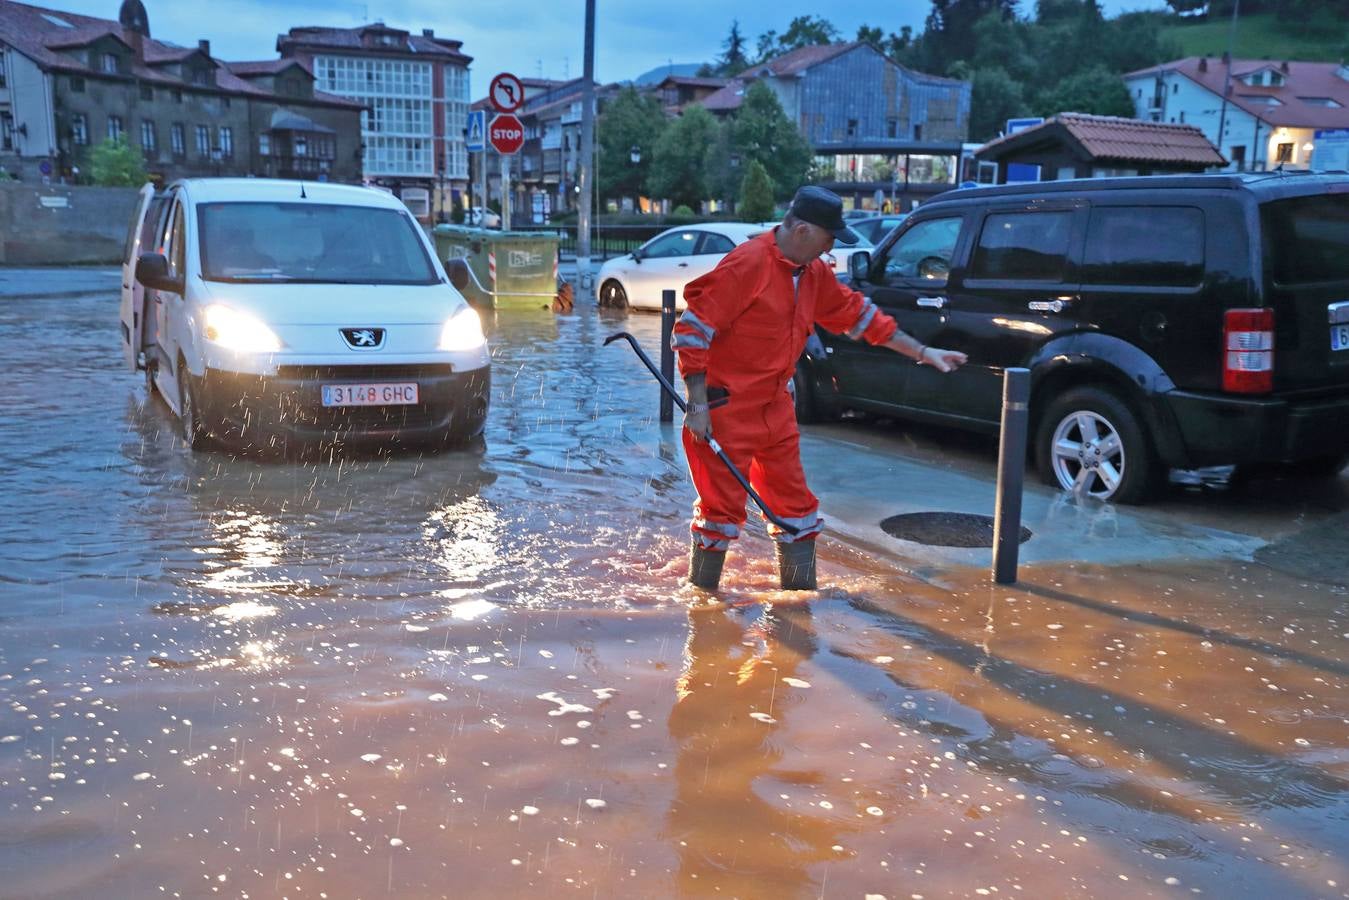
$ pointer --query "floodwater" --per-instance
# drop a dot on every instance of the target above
(477, 675)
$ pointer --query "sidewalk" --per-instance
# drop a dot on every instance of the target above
(76, 281)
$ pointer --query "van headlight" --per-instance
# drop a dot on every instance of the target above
(238, 331)
(463, 331)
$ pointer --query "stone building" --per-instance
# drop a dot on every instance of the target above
(70, 81)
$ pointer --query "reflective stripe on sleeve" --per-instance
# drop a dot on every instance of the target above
(692, 321)
(868, 313)
(679, 341)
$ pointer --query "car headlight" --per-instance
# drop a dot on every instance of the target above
(463, 331)
(238, 331)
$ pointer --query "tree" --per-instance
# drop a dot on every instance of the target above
(995, 97)
(112, 163)
(807, 31)
(766, 46)
(756, 198)
(733, 60)
(677, 172)
(630, 121)
(721, 165)
(763, 133)
(873, 35)
(1096, 90)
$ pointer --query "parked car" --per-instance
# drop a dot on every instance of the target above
(1170, 321)
(276, 314)
(877, 227)
(477, 217)
(671, 259)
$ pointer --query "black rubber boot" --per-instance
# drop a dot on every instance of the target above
(796, 565)
(705, 566)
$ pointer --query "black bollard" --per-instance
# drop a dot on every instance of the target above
(667, 320)
(1011, 473)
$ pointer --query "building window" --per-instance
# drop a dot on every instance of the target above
(891, 128)
(1175, 88)
(301, 145)
(178, 139)
(226, 101)
(77, 85)
(226, 142)
(6, 132)
(918, 131)
(147, 92)
(79, 129)
(177, 96)
(115, 127)
(108, 63)
(149, 139)
(264, 145)
(1238, 155)
(1285, 153)
(203, 141)
(852, 128)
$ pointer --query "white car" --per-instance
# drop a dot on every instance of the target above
(276, 314)
(478, 218)
(671, 259)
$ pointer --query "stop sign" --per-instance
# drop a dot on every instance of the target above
(506, 134)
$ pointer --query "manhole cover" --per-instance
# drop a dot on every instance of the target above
(945, 529)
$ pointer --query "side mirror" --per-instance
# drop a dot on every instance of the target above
(457, 269)
(637, 255)
(859, 266)
(152, 270)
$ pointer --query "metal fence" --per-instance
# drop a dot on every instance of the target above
(606, 242)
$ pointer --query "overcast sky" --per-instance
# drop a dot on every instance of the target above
(527, 37)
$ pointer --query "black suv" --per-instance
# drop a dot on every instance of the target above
(1170, 321)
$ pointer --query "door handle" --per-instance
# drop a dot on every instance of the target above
(1058, 304)
(683, 265)
(932, 302)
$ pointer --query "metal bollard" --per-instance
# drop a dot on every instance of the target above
(1011, 473)
(667, 320)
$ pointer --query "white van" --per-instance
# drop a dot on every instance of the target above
(275, 314)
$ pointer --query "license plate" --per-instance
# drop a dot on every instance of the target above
(401, 394)
(1339, 337)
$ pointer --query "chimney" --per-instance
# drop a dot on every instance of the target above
(431, 33)
(1203, 63)
(1283, 67)
(1227, 58)
(204, 47)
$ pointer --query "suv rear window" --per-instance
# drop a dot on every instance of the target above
(1152, 245)
(1308, 238)
(1025, 246)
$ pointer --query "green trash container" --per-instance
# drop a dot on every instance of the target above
(505, 268)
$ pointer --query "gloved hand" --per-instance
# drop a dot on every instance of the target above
(698, 420)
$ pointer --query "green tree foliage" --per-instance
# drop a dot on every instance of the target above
(1097, 90)
(112, 163)
(677, 171)
(733, 59)
(721, 165)
(630, 120)
(996, 97)
(762, 132)
(756, 198)
(803, 31)
(949, 35)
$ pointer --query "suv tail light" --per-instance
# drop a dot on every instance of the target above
(1248, 351)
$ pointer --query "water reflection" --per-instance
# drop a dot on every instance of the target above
(731, 822)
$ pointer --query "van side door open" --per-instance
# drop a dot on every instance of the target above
(140, 237)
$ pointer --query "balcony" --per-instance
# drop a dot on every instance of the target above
(295, 166)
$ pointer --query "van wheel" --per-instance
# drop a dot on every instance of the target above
(1090, 441)
(613, 296)
(192, 429)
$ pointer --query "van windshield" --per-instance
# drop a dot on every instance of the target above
(1309, 238)
(310, 243)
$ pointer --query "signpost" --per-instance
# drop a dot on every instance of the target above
(1015, 125)
(506, 135)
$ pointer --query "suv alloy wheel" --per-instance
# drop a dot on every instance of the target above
(1090, 441)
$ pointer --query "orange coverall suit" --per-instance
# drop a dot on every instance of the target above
(745, 327)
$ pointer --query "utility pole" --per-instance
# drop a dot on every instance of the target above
(583, 167)
(1227, 79)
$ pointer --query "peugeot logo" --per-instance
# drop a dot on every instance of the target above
(363, 338)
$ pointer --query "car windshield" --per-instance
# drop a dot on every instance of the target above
(861, 238)
(310, 243)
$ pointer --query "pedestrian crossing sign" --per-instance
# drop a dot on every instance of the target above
(475, 135)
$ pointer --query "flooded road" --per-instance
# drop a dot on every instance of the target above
(477, 675)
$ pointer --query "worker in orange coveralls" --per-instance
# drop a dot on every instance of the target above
(746, 325)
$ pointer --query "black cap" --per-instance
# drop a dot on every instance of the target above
(823, 208)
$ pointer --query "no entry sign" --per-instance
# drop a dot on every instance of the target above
(506, 134)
